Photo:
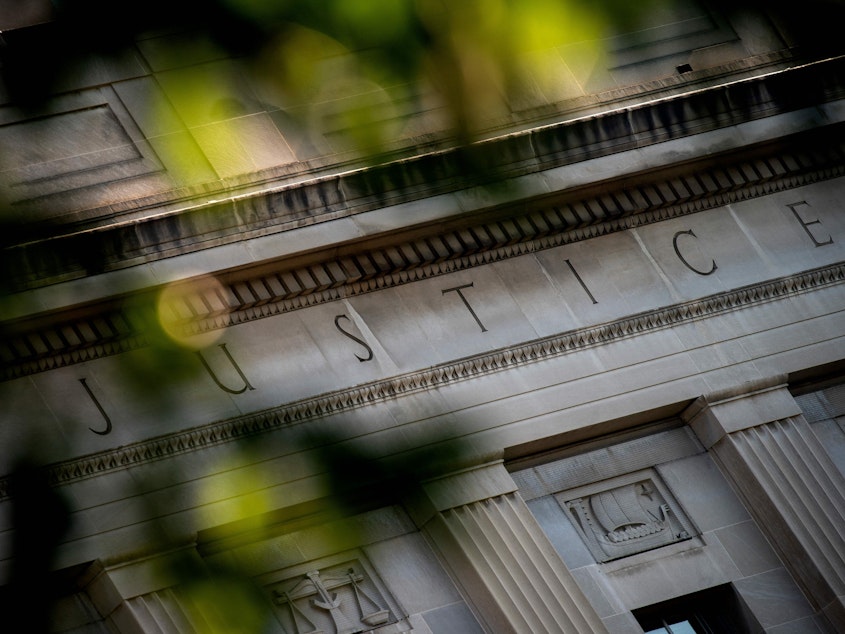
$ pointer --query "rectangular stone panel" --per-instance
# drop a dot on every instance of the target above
(624, 517)
(344, 597)
(64, 151)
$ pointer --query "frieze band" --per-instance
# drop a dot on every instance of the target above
(463, 369)
(113, 330)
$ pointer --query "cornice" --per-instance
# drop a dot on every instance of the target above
(45, 254)
(61, 340)
(508, 358)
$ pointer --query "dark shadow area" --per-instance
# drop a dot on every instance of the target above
(715, 611)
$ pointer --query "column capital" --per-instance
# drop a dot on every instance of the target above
(119, 590)
(715, 415)
(458, 489)
(115, 583)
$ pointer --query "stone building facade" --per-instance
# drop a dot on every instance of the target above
(617, 371)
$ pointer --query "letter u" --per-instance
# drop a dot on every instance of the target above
(246, 386)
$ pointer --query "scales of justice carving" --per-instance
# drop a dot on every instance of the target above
(342, 602)
(625, 520)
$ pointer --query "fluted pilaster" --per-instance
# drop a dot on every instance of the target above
(789, 484)
(505, 564)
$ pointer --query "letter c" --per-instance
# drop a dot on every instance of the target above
(681, 257)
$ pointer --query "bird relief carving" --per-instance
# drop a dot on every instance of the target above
(332, 602)
(625, 520)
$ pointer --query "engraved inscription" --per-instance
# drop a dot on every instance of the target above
(713, 266)
(805, 224)
(108, 428)
(357, 340)
(246, 386)
(581, 282)
(458, 290)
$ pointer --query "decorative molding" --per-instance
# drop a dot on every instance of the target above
(569, 218)
(578, 467)
(45, 254)
(444, 374)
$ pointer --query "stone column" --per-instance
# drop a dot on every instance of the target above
(793, 490)
(500, 557)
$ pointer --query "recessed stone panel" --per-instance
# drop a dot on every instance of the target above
(86, 141)
(344, 597)
(627, 516)
(92, 146)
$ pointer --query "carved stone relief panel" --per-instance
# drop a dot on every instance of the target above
(626, 515)
(336, 598)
